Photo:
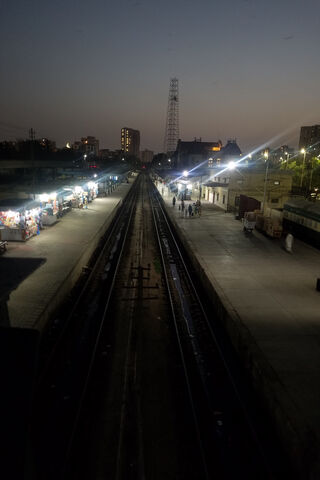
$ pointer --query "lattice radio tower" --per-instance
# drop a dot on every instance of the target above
(172, 124)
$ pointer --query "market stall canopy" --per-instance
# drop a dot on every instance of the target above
(18, 204)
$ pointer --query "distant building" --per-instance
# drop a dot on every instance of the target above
(130, 141)
(310, 139)
(87, 145)
(91, 145)
(146, 156)
(48, 145)
(225, 186)
(189, 154)
(281, 155)
(107, 155)
(229, 152)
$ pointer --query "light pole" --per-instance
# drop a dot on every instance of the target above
(266, 156)
(287, 161)
(311, 174)
(231, 166)
(303, 150)
(200, 188)
(185, 173)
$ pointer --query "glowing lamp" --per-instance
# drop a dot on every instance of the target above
(44, 197)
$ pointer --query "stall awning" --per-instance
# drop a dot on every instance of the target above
(17, 204)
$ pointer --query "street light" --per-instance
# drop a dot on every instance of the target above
(266, 156)
(288, 156)
(311, 174)
(185, 173)
(303, 150)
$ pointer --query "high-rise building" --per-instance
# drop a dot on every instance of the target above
(310, 138)
(130, 141)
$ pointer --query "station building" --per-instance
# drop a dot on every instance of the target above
(224, 189)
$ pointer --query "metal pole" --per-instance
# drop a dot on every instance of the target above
(311, 174)
(302, 172)
(32, 137)
(265, 186)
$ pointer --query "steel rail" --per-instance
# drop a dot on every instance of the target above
(111, 234)
(188, 383)
(213, 335)
(96, 344)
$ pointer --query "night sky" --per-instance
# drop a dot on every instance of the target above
(247, 69)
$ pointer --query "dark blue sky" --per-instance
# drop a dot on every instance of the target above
(247, 69)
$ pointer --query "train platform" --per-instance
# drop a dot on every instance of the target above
(37, 274)
(268, 302)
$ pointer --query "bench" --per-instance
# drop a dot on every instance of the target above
(3, 246)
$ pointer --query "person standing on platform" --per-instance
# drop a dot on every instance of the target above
(182, 205)
(289, 243)
(173, 201)
(190, 209)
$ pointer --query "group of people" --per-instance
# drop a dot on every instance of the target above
(192, 209)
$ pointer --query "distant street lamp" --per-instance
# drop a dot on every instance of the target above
(288, 156)
(303, 150)
(266, 156)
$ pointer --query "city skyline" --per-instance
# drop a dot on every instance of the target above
(246, 70)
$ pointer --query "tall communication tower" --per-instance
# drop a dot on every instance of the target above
(172, 124)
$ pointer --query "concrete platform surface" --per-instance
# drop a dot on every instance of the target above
(271, 309)
(38, 273)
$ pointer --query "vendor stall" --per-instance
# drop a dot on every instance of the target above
(18, 221)
(50, 208)
(78, 197)
(92, 191)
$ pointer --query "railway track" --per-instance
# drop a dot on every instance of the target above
(139, 384)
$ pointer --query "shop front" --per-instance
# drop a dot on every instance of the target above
(50, 208)
(92, 191)
(19, 224)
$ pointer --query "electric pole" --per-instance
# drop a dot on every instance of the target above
(32, 135)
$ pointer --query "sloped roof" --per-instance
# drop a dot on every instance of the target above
(231, 149)
(197, 147)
